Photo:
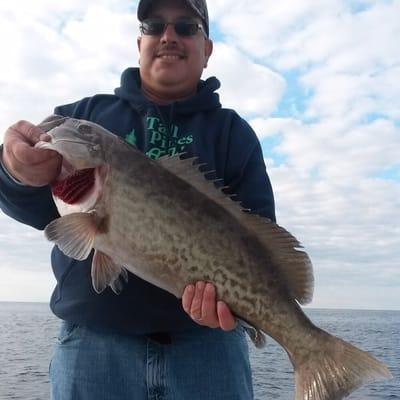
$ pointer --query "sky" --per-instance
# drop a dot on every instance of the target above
(318, 80)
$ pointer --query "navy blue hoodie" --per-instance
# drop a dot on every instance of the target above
(198, 126)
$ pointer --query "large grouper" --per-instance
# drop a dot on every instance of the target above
(165, 222)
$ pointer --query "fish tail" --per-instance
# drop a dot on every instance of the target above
(333, 369)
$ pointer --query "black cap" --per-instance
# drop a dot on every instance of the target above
(198, 6)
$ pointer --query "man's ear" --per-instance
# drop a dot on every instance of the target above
(139, 39)
(208, 49)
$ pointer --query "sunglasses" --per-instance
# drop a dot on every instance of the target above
(183, 28)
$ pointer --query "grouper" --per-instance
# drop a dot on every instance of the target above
(165, 222)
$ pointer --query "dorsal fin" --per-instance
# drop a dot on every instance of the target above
(294, 264)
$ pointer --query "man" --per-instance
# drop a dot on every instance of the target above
(144, 344)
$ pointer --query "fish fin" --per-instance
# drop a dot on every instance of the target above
(118, 284)
(295, 268)
(334, 369)
(74, 234)
(255, 335)
(105, 272)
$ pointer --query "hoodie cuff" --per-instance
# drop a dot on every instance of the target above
(6, 172)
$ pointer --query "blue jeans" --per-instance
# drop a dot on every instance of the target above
(205, 364)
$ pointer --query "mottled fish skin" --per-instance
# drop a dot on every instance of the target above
(164, 229)
(179, 236)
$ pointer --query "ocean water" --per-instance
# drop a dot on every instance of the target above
(28, 332)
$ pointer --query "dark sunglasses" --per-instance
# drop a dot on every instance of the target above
(182, 28)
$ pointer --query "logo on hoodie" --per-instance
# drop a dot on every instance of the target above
(131, 138)
(163, 140)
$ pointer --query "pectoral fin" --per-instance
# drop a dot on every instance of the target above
(105, 272)
(74, 234)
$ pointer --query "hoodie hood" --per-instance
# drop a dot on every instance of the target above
(204, 100)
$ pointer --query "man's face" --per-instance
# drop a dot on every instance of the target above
(171, 65)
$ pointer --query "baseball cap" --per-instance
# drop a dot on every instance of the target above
(198, 6)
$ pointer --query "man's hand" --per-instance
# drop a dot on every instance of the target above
(29, 165)
(199, 301)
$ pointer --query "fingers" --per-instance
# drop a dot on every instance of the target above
(195, 309)
(30, 132)
(208, 308)
(187, 298)
(30, 165)
(28, 155)
(226, 320)
(199, 301)
(21, 137)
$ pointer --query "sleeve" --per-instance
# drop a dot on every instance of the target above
(246, 175)
(29, 205)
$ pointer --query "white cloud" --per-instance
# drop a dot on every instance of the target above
(349, 61)
(24, 267)
(21, 242)
(259, 27)
(332, 148)
(350, 230)
(343, 40)
(59, 54)
(247, 87)
(23, 284)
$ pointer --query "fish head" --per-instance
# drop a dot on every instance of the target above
(82, 144)
(85, 148)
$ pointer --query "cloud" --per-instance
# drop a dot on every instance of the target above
(24, 267)
(331, 148)
(20, 243)
(258, 28)
(348, 60)
(59, 54)
(350, 231)
(24, 284)
(246, 86)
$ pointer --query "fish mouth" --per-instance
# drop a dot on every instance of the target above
(67, 171)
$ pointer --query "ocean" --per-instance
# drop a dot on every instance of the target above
(29, 330)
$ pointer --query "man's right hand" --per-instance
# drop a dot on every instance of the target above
(31, 166)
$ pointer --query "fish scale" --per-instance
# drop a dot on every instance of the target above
(163, 221)
(154, 227)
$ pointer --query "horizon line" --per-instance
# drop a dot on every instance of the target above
(303, 307)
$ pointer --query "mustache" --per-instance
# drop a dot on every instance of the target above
(170, 47)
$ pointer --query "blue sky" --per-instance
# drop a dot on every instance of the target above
(318, 81)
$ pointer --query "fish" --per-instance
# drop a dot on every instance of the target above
(165, 222)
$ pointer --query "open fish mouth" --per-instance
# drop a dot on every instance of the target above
(67, 171)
